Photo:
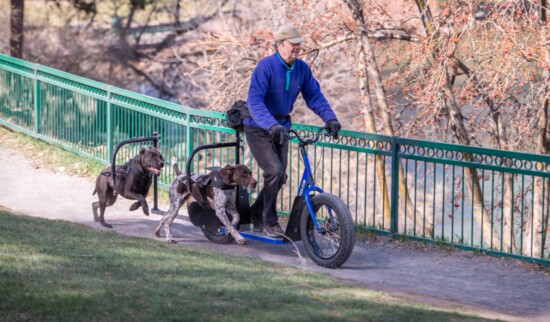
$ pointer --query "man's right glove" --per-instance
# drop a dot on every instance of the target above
(333, 127)
(278, 134)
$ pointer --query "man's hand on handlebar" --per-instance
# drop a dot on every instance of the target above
(333, 127)
(279, 134)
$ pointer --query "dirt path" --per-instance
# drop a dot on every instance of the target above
(492, 287)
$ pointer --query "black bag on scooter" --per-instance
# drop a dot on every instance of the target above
(236, 114)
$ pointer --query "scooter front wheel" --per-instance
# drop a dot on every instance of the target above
(331, 244)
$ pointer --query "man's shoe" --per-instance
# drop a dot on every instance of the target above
(274, 231)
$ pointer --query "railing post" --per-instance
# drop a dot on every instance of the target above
(36, 100)
(109, 124)
(394, 211)
(189, 146)
(155, 180)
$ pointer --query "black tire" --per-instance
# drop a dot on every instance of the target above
(333, 246)
(217, 236)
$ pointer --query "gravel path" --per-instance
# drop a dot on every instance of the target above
(491, 287)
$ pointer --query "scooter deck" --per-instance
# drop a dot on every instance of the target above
(248, 233)
(262, 237)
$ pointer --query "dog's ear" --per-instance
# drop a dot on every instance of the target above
(225, 173)
(142, 150)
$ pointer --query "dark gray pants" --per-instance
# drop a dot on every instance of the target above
(273, 160)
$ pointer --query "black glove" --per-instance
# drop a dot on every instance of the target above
(278, 134)
(333, 126)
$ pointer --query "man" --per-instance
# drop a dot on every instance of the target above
(275, 84)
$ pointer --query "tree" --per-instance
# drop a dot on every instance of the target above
(16, 27)
(489, 61)
(443, 49)
(536, 226)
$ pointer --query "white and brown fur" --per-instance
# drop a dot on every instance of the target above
(221, 200)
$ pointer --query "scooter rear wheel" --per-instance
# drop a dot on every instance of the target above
(217, 236)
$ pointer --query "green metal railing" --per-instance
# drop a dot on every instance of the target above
(474, 198)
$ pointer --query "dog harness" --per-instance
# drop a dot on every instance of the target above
(212, 180)
(125, 170)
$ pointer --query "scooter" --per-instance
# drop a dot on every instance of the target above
(321, 220)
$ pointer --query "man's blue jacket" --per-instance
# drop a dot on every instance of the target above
(269, 100)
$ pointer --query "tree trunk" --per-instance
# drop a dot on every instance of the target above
(16, 28)
(368, 114)
(535, 232)
(456, 121)
(508, 234)
(368, 62)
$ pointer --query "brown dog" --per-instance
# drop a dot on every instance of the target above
(133, 181)
(221, 195)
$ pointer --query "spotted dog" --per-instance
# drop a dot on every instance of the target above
(220, 196)
(133, 180)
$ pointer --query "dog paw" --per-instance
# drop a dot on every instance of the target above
(135, 206)
(157, 233)
(94, 211)
(146, 211)
(240, 240)
(106, 225)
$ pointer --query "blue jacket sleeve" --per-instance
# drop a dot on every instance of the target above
(315, 100)
(259, 84)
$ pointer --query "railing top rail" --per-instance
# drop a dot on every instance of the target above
(16, 61)
(470, 149)
(107, 88)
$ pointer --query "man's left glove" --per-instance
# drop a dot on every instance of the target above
(333, 127)
(279, 134)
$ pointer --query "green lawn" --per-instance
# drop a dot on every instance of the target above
(58, 271)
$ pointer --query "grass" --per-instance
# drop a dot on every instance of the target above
(50, 156)
(58, 271)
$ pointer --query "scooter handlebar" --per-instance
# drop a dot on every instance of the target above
(307, 138)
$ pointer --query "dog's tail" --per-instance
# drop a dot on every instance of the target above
(93, 193)
(174, 163)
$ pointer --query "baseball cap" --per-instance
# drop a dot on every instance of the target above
(289, 33)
